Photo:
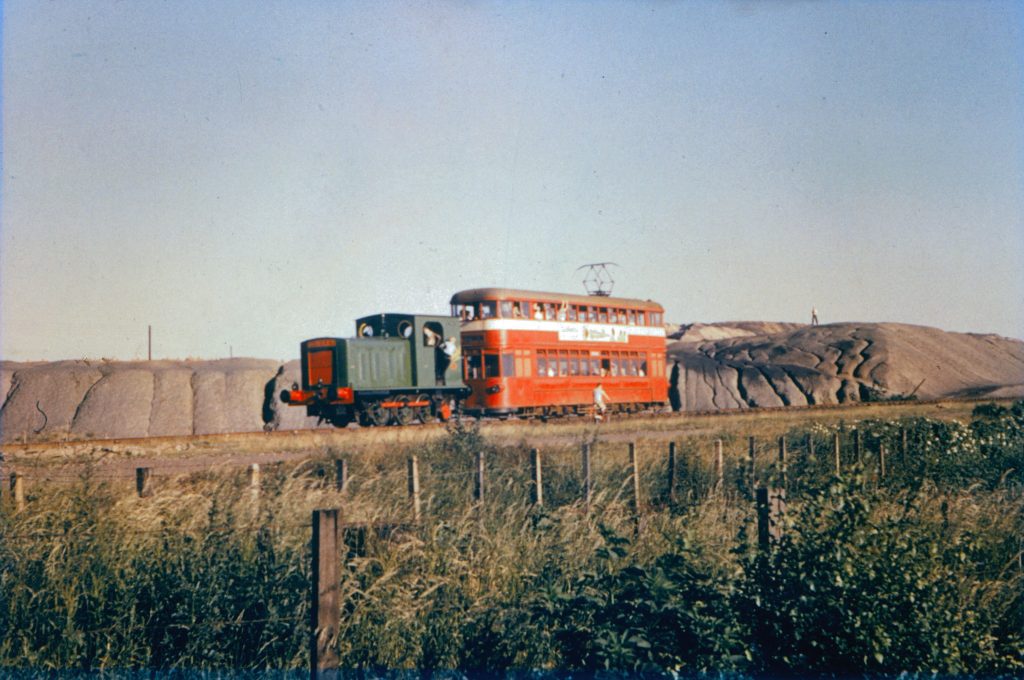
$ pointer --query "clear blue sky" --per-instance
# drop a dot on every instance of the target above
(250, 174)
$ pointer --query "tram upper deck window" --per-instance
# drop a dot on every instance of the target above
(602, 315)
(538, 311)
(641, 318)
(488, 309)
(549, 311)
(573, 312)
(592, 314)
(464, 312)
(631, 317)
(505, 306)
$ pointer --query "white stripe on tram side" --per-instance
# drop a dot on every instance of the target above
(567, 330)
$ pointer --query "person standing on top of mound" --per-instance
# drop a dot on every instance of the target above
(814, 316)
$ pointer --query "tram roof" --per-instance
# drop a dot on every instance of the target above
(479, 294)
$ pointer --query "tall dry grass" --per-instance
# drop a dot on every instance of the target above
(205, 575)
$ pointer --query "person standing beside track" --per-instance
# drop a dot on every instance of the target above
(599, 406)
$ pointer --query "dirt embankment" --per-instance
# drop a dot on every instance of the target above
(96, 399)
(840, 363)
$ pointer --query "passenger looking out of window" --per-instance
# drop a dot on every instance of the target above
(517, 310)
(538, 311)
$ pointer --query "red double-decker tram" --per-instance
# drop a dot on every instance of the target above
(542, 354)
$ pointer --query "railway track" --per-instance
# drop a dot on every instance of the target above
(486, 423)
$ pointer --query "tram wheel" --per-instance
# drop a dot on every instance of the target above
(404, 414)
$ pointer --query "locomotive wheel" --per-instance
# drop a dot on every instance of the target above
(426, 413)
(374, 414)
(404, 414)
(341, 420)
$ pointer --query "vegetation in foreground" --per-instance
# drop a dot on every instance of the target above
(918, 570)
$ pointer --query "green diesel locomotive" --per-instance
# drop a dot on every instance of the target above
(397, 369)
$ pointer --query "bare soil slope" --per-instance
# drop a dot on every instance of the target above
(97, 399)
(840, 363)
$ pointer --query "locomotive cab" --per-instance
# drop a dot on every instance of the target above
(397, 368)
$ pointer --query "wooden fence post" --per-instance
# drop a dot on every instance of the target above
(634, 467)
(340, 475)
(414, 488)
(478, 487)
(763, 520)
(750, 460)
(835, 449)
(142, 486)
(325, 609)
(903, 447)
(538, 486)
(719, 466)
(671, 472)
(587, 489)
(783, 473)
(254, 481)
(771, 506)
(18, 490)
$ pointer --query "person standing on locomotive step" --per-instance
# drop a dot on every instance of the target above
(599, 406)
(446, 356)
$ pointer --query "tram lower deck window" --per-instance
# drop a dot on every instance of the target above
(491, 366)
(508, 365)
(473, 368)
